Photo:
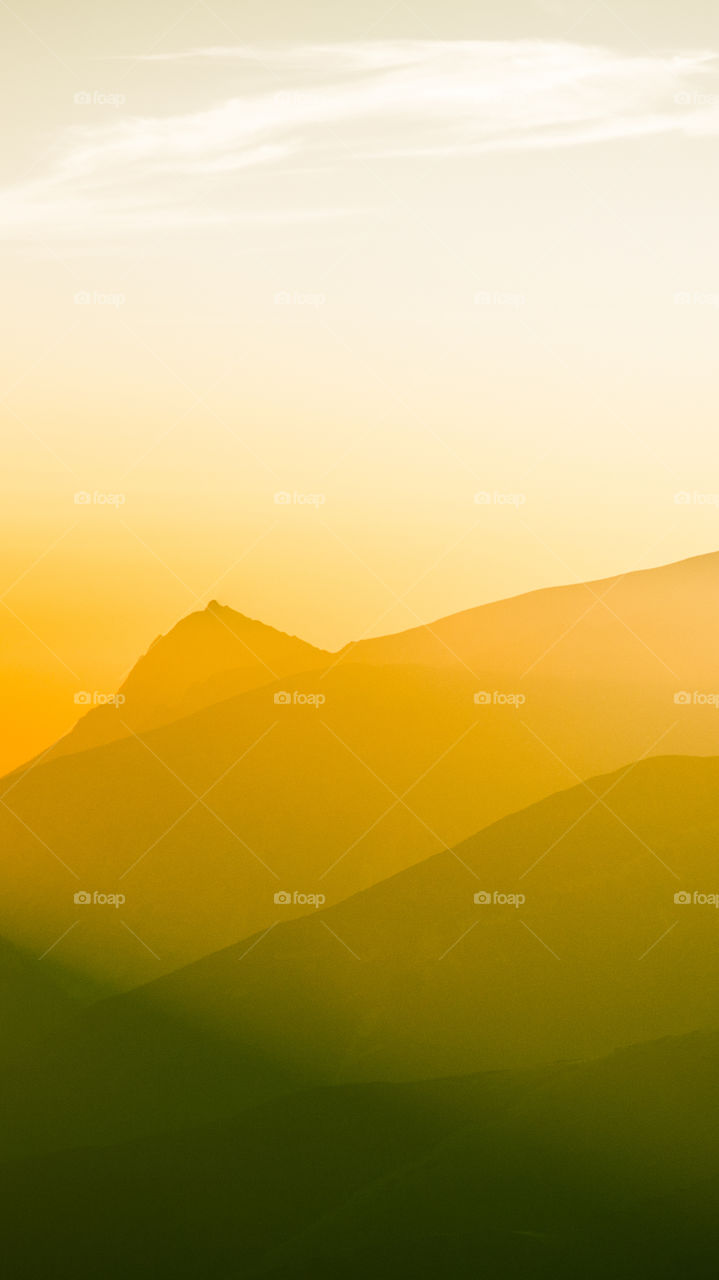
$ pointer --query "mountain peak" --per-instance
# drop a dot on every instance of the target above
(193, 665)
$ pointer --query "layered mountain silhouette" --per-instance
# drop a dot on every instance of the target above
(414, 978)
(605, 1167)
(628, 629)
(207, 657)
(344, 773)
(612, 626)
(394, 961)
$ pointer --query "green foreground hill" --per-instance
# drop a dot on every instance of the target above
(605, 1167)
(413, 978)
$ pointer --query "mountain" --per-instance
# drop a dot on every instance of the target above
(586, 1168)
(596, 1168)
(604, 635)
(414, 979)
(200, 823)
(367, 770)
(209, 656)
(634, 626)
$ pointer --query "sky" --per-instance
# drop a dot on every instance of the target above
(349, 319)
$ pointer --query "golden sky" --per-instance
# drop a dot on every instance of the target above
(380, 264)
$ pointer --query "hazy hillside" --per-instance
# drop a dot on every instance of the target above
(364, 787)
(613, 633)
(208, 656)
(32, 1004)
(366, 771)
(604, 1167)
(598, 1168)
(413, 978)
(643, 626)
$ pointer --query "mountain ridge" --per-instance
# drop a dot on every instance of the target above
(412, 978)
(292, 654)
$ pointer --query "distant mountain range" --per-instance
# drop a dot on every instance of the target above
(343, 771)
(652, 626)
(397, 961)
(414, 978)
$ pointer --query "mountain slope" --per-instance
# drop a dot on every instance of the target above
(413, 979)
(606, 1167)
(589, 1168)
(209, 656)
(633, 626)
(201, 822)
(369, 769)
(32, 1005)
(637, 622)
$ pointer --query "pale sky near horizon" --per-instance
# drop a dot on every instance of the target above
(393, 257)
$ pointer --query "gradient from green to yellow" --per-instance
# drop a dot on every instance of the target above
(397, 397)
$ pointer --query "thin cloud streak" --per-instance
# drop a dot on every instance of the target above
(345, 104)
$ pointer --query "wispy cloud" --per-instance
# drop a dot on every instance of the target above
(324, 105)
